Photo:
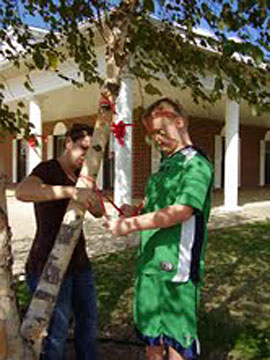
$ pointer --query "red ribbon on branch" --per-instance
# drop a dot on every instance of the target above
(33, 141)
(118, 129)
(102, 196)
(105, 102)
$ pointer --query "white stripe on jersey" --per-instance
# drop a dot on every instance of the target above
(186, 241)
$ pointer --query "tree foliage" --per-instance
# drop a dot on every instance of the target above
(164, 37)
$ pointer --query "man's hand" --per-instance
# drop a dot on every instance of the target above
(84, 197)
(118, 227)
(129, 210)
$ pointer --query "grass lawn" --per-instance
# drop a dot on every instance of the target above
(235, 307)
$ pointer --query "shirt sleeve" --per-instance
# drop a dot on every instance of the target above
(42, 171)
(195, 183)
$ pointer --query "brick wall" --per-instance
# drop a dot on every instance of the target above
(6, 156)
(250, 155)
(202, 132)
(141, 161)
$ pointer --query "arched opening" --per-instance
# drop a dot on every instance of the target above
(59, 132)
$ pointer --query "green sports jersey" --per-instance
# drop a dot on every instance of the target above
(177, 252)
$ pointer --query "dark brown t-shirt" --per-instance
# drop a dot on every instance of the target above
(49, 216)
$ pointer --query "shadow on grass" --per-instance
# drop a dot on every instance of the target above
(223, 337)
(235, 311)
(114, 275)
(235, 307)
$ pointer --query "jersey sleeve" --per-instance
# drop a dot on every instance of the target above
(196, 183)
(42, 171)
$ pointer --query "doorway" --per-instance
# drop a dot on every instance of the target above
(21, 159)
(267, 162)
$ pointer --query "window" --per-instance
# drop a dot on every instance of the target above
(21, 159)
(108, 169)
(267, 162)
(58, 145)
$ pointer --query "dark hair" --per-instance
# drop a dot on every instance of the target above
(78, 131)
(177, 107)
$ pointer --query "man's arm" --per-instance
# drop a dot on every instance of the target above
(163, 218)
(33, 189)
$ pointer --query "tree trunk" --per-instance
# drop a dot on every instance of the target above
(37, 319)
(12, 346)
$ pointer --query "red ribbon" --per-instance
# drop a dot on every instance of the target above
(101, 197)
(33, 142)
(99, 191)
(106, 101)
(119, 130)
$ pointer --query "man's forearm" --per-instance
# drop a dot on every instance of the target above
(44, 193)
(163, 218)
(33, 190)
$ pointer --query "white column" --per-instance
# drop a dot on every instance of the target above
(239, 162)
(218, 161)
(14, 160)
(35, 153)
(231, 156)
(49, 147)
(262, 163)
(123, 154)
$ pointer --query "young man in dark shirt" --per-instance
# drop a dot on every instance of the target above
(50, 186)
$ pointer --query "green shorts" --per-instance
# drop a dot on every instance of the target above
(166, 313)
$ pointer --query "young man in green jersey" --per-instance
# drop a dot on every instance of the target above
(173, 237)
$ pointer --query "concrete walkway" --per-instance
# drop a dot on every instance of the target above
(255, 206)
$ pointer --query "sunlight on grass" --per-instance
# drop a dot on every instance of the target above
(235, 307)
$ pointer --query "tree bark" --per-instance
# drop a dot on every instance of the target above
(36, 321)
(35, 324)
(12, 345)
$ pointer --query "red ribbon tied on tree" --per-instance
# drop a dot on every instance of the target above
(119, 130)
(105, 102)
(33, 141)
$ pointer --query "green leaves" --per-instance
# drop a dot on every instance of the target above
(152, 90)
(28, 83)
(230, 44)
(53, 60)
(39, 59)
(149, 5)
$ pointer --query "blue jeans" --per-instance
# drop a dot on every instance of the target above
(77, 294)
